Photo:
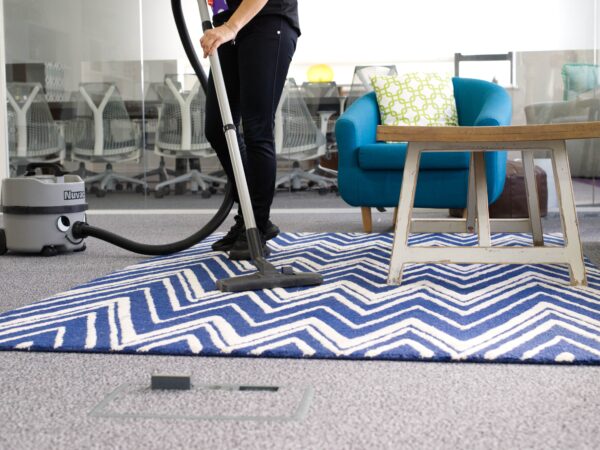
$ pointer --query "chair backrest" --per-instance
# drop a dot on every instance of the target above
(181, 121)
(316, 93)
(318, 90)
(472, 95)
(361, 81)
(103, 126)
(579, 78)
(297, 137)
(153, 96)
(32, 130)
(153, 92)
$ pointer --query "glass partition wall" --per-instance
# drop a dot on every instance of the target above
(75, 90)
(99, 86)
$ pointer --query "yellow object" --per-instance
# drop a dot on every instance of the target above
(320, 73)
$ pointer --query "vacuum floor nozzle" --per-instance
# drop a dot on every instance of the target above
(268, 277)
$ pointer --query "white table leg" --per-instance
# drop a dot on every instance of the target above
(533, 203)
(568, 214)
(471, 196)
(483, 215)
(405, 206)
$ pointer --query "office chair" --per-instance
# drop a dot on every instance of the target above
(325, 105)
(104, 133)
(155, 93)
(318, 93)
(33, 135)
(180, 134)
(298, 139)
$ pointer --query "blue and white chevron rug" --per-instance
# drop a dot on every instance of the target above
(168, 305)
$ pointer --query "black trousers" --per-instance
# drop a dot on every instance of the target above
(255, 68)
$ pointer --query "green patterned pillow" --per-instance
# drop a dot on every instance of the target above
(416, 99)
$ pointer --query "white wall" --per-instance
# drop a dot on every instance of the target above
(346, 32)
(338, 32)
(70, 32)
(62, 30)
(161, 41)
(431, 29)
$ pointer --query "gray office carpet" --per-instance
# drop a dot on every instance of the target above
(283, 199)
(46, 399)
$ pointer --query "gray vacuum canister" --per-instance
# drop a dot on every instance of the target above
(39, 212)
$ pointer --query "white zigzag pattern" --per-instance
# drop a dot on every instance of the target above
(459, 312)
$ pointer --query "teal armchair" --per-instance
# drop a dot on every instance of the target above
(370, 172)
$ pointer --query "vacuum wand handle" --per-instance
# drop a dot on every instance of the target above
(229, 126)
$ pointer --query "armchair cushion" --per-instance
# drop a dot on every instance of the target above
(415, 99)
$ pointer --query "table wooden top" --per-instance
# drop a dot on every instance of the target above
(516, 133)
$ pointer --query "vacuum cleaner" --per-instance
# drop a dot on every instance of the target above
(40, 209)
(45, 213)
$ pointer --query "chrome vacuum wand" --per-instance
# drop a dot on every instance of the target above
(268, 276)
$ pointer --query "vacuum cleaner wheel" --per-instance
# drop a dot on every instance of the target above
(49, 250)
(80, 249)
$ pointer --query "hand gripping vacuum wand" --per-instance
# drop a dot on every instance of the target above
(267, 276)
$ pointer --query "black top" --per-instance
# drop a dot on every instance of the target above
(285, 8)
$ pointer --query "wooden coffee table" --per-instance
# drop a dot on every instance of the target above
(478, 140)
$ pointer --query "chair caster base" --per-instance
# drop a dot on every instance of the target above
(139, 189)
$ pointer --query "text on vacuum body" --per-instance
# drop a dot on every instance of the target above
(74, 195)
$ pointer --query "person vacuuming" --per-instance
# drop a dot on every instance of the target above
(255, 41)
(267, 275)
(44, 202)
